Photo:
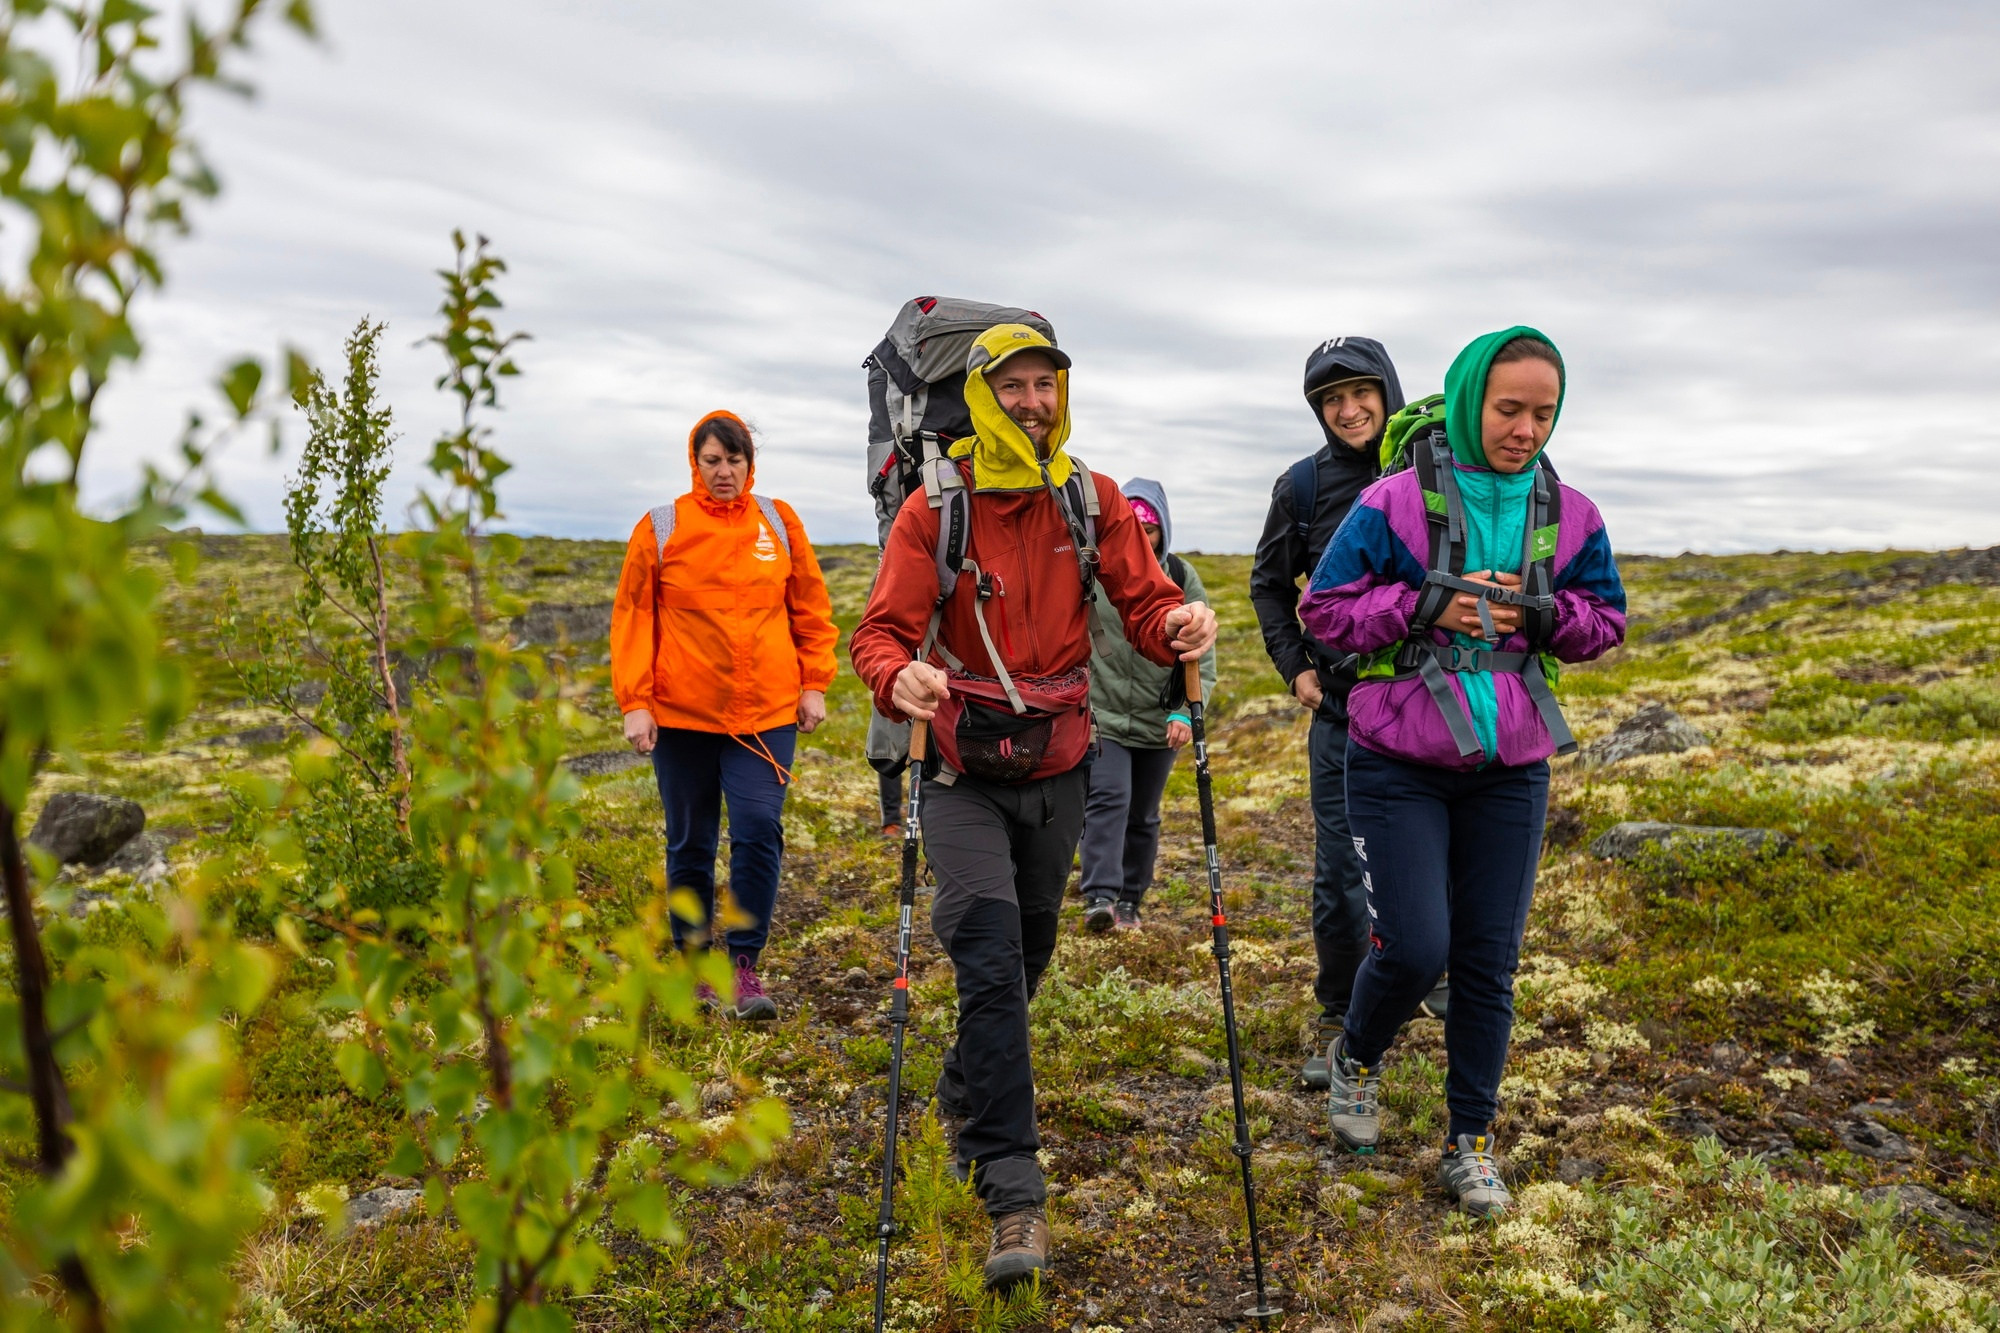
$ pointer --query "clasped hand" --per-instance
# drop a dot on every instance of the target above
(1463, 614)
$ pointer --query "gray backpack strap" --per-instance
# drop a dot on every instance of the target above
(771, 516)
(663, 527)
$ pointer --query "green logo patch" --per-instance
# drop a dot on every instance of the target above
(1545, 543)
(1434, 501)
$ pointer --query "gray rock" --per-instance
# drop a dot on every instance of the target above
(1625, 842)
(1959, 1228)
(1576, 1170)
(1687, 1089)
(1688, 1125)
(1871, 1139)
(551, 624)
(856, 976)
(84, 828)
(1727, 1057)
(1654, 729)
(144, 858)
(605, 761)
(1838, 1069)
(379, 1205)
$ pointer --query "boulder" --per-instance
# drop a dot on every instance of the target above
(552, 624)
(1871, 1139)
(379, 1205)
(605, 761)
(144, 858)
(1576, 1170)
(1625, 842)
(1959, 1228)
(1654, 729)
(85, 828)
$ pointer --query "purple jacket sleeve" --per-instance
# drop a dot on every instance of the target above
(1364, 590)
(1590, 600)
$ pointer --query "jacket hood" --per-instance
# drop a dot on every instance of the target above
(1003, 457)
(1155, 495)
(1348, 358)
(700, 492)
(1465, 394)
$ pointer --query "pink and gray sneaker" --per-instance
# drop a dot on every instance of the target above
(752, 1003)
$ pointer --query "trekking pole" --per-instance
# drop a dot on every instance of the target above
(899, 1017)
(1263, 1311)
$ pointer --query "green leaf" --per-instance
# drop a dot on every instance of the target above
(361, 1069)
(239, 385)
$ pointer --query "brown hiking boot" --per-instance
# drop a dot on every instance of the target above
(1020, 1248)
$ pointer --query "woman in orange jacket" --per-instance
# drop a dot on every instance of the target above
(722, 647)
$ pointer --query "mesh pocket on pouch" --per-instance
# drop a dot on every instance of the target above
(997, 745)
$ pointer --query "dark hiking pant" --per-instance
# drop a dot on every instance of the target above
(697, 772)
(1001, 856)
(1121, 820)
(1340, 904)
(1450, 867)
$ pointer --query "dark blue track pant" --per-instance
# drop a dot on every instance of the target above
(1448, 859)
(697, 772)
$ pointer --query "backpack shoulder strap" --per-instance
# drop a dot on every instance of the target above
(1177, 570)
(777, 522)
(1444, 514)
(1305, 498)
(663, 527)
(1538, 563)
(1077, 503)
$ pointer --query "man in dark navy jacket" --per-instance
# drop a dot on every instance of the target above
(1352, 388)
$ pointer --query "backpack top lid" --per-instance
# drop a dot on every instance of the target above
(1406, 426)
(932, 336)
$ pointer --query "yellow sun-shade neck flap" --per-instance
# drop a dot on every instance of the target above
(1003, 457)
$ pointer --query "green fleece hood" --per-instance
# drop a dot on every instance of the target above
(1465, 393)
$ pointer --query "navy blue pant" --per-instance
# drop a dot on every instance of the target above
(698, 771)
(1448, 859)
(1340, 904)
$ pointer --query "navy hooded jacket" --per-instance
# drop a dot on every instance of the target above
(1282, 558)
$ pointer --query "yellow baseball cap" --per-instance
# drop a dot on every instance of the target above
(1001, 341)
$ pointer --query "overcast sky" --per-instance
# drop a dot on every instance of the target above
(1766, 237)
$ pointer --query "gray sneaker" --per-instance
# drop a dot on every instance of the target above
(1437, 1003)
(1314, 1072)
(1472, 1178)
(1354, 1109)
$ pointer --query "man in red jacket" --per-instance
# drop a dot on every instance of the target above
(1005, 687)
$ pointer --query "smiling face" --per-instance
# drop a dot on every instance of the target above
(1025, 387)
(1519, 412)
(1354, 412)
(724, 473)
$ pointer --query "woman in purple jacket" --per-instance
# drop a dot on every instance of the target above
(1458, 582)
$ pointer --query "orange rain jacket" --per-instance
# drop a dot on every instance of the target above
(723, 632)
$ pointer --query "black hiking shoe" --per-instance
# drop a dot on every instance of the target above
(1437, 1002)
(1315, 1073)
(1020, 1248)
(1099, 914)
(1125, 915)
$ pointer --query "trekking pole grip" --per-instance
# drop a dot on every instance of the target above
(1192, 670)
(920, 735)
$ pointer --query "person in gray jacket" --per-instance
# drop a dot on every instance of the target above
(1138, 738)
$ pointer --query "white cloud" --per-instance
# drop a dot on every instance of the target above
(1763, 236)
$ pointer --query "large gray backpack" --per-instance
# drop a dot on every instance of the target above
(916, 391)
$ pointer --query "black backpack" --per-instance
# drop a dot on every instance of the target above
(916, 388)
